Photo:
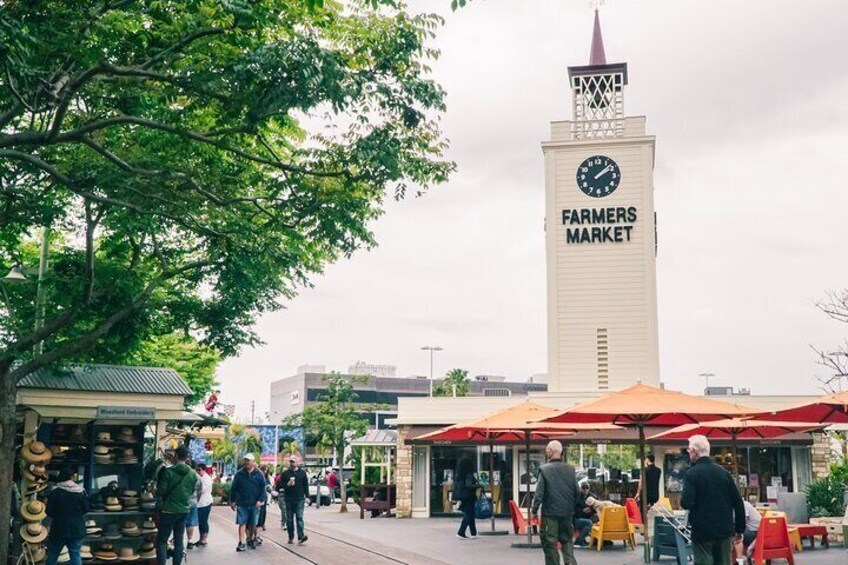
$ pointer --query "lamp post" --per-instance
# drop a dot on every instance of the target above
(706, 376)
(431, 349)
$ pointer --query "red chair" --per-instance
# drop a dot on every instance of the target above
(519, 521)
(634, 514)
(772, 541)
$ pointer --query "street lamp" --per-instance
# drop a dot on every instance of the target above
(14, 276)
(431, 349)
(707, 376)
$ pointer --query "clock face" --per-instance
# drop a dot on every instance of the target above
(598, 176)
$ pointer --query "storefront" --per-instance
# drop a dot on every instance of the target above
(107, 423)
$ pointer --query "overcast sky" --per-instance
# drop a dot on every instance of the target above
(747, 100)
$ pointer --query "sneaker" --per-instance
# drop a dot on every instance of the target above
(201, 543)
(581, 543)
(251, 544)
(303, 539)
(240, 547)
(190, 545)
(472, 536)
(291, 540)
(460, 536)
(258, 541)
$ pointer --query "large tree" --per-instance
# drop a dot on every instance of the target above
(455, 383)
(192, 163)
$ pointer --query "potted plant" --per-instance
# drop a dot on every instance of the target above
(220, 492)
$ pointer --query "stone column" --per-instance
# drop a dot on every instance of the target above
(820, 455)
(404, 475)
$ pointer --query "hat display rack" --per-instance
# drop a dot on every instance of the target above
(109, 459)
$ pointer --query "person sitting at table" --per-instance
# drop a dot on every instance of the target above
(584, 516)
(752, 524)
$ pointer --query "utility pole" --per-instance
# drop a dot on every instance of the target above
(252, 412)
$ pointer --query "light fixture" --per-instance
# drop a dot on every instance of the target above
(14, 276)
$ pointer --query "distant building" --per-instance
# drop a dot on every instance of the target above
(374, 370)
(726, 391)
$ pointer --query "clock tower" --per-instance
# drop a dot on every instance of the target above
(601, 238)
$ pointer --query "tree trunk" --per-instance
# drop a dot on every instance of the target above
(342, 488)
(7, 460)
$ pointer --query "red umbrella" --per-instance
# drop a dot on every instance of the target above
(512, 425)
(829, 409)
(737, 428)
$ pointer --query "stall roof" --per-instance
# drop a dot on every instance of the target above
(377, 438)
(109, 378)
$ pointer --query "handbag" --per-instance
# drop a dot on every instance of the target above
(483, 508)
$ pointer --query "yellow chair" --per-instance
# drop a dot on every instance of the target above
(794, 535)
(613, 525)
(666, 502)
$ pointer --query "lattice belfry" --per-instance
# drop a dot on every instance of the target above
(598, 103)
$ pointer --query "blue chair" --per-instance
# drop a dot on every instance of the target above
(669, 541)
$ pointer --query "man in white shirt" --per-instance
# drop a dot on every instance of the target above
(752, 523)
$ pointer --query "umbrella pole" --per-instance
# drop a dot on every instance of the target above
(735, 459)
(529, 499)
(643, 500)
(494, 532)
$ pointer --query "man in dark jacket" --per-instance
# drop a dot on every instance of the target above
(66, 508)
(584, 515)
(295, 490)
(556, 493)
(174, 488)
(246, 497)
(715, 508)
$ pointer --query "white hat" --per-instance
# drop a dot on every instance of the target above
(249, 457)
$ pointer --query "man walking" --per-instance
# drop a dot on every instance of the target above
(715, 508)
(66, 508)
(556, 493)
(295, 490)
(246, 497)
(174, 488)
(650, 483)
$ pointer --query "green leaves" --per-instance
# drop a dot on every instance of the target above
(456, 383)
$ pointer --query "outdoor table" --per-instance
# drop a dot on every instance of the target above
(811, 531)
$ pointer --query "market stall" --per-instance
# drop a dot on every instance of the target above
(106, 423)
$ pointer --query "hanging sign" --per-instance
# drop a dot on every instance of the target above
(125, 413)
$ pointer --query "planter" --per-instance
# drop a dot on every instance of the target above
(835, 531)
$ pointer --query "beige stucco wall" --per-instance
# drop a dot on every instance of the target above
(609, 285)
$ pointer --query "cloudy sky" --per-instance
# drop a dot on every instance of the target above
(748, 104)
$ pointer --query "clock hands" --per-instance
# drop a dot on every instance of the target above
(604, 171)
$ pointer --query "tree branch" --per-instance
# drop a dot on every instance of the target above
(179, 45)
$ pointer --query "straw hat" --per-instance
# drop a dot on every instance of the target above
(34, 532)
(36, 453)
(112, 531)
(113, 505)
(38, 552)
(92, 529)
(148, 526)
(101, 450)
(127, 554)
(33, 511)
(64, 556)
(104, 437)
(85, 552)
(35, 488)
(130, 529)
(147, 550)
(36, 476)
(127, 435)
(105, 555)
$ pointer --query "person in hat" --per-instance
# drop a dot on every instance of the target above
(174, 488)
(246, 497)
(66, 508)
(295, 490)
(204, 503)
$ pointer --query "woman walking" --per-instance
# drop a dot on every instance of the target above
(204, 503)
(465, 492)
(66, 507)
(193, 519)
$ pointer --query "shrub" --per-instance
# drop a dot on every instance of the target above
(825, 497)
(222, 490)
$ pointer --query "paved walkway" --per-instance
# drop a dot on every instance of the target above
(344, 539)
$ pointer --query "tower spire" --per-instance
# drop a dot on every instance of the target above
(597, 56)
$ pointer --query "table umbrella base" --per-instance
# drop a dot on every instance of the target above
(493, 533)
(526, 544)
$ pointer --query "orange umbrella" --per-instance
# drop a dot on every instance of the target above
(642, 405)
(512, 425)
(737, 428)
(829, 409)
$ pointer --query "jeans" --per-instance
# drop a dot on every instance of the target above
(556, 529)
(203, 519)
(55, 545)
(584, 525)
(171, 524)
(294, 509)
(716, 552)
(467, 508)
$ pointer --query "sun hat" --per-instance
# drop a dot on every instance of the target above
(102, 450)
(104, 437)
(35, 488)
(147, 550)
(33, 511)
(35, 477)
(127, 554)
(85, 552)
(148, 526)
(64, 556)
(34, 532)
(130, 529)
(105, 555)
(113, 505)
(38, 552)
(127, 435)
(92, 529)
(112, 531)
(36, 453)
